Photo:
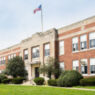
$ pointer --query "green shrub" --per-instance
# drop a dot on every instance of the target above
(52, 82)
(39, 81)
(69, 78)
(2, 77)
(18, 80)
(6, 81)
(90, 81)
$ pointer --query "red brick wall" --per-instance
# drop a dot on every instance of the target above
(70, 31)
(2, 67)
(90, 25)
(69, 56)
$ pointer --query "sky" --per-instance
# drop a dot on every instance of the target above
(17, 20)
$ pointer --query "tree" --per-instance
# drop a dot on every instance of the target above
(51, 67)
(16, 67)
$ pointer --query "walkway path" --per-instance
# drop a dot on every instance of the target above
(80, 89)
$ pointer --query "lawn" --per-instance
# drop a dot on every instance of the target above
(88, 87)
(37, 90)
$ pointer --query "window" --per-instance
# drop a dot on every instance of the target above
(0, 71)
(92, 65)
(11, 56)
(61, 47)
(35, 52)
(25, 54)
(83, 42)
(47, 50)
(84, 66)
(75, 44)
(14, 55)
(2, 60)
(76, 65)
(62, 65)
(92, 39)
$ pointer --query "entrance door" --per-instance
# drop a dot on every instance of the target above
(36, 72)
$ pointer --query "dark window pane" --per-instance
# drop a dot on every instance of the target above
(84, 69)
(92, 69)
(47, 52)
(92, 43)
(83, 45)
(75, 47)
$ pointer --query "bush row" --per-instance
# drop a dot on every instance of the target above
(39, 80)
(5, 80)
(52, 82)
(67, 79)
(90, 81)
(83, 82)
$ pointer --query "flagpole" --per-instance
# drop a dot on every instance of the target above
(42, 18)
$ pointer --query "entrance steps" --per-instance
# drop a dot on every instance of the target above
(29, 82)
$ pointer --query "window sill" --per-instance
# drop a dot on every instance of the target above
(36, 58)
(89, 75)
(85, 74)
(75, 51)
(83, 50)
(47, 56)
(61, 54)
(91, 48)
(92, 74)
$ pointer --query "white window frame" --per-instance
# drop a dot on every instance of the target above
(25, 54)
(91, 37)
(92, 63)
(85, 63)
(62, 66)
(46, 47)
(61, 47)
(34, 50)
(83, 38)
(75, 64)
(75, 41)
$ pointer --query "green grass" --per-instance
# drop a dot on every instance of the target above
(88, 87)
(38, 90)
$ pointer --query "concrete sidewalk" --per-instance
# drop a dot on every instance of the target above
(86, 89)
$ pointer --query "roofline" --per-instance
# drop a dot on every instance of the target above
(9, 47)
(88, 18)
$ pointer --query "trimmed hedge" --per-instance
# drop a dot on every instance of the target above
(6, 81)
(90, 81)
(2, 77)
(18, 80)
(39, 80)
(52, 82)
(69, 78)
